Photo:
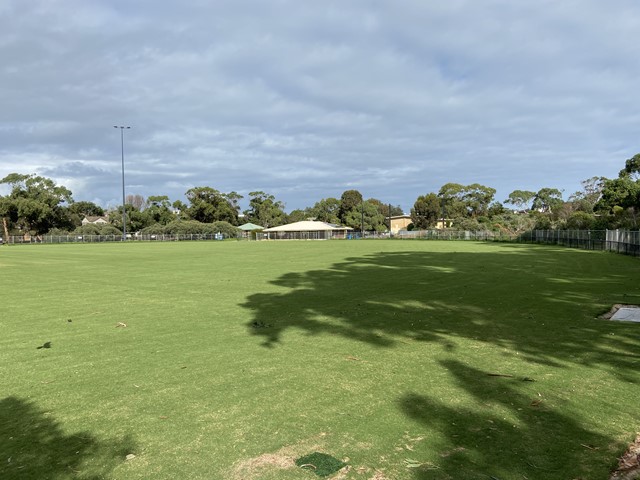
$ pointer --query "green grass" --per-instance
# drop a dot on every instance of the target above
(239, 358)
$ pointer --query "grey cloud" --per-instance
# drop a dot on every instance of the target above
(305, 100)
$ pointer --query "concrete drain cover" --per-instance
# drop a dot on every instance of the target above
(624, 313)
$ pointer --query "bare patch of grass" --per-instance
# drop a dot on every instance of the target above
(283, 459)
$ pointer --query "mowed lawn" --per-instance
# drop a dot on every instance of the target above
(405, 359)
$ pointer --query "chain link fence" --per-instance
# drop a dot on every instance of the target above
(619, 241)
(49, 239)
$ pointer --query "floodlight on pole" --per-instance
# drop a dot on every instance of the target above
(124, 215)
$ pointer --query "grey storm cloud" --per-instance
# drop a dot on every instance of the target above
(307, 99)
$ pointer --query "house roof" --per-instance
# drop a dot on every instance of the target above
(306, 226)
(93, 219)
(247, 227)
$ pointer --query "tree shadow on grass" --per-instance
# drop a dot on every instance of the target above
(540, 303)
(508, 433)
(35, 446)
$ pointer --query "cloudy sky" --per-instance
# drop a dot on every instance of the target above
(306, 99)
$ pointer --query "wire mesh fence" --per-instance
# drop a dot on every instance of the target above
(50, 239)
(619, 241)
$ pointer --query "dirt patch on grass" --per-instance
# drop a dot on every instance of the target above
(283, 459)
(629, 463)
(249, 468)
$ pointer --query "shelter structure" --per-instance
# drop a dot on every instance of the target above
(307, 230)
(251, 230)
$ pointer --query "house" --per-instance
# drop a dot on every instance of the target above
(95, 220)
(399, 222)
(307, 230)
(402, 222)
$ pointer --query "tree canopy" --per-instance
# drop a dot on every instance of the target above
(265, 210)
(208, 205)
(426, 211)
(35, 204)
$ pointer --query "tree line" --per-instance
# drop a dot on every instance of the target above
(36, 205)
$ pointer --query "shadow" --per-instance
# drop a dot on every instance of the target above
(535, 302)
(529, 305)
(506, 433)
(35, 446)
(44, 345)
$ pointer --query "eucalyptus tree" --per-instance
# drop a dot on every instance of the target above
(35, 204)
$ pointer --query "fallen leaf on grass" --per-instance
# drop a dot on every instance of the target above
(629, 463)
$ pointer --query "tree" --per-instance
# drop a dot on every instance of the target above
(521, 199)
(97, 229)
(426, 211)
(208, 205)
(159, 209)
(136, 220)
(631, 168)
(622, 192)
(585, 200)
(327, 210)
(373, 219)
(580, 221)
(466, 200)
(298, 215)
(234, 199)
(349, 201)
(547, 200)
(76, 211)
(451, 196)
(386, 209)
(265, 210)
(192, 227)
(136, 201)
(35, 204)
(86, 209)
(496, 208)
(477, 199)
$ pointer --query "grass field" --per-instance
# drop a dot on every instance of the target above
(405, 359)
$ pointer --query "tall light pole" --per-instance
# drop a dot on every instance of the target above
(124, 215)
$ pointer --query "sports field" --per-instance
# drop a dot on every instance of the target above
(230, 360)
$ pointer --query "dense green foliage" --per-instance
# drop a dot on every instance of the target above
(239, 357)
(265, 210)
(426, 211)
(192, 227)
(36, 205)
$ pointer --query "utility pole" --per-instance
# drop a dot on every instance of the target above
(124, 210)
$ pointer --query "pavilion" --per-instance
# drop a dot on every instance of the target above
(307, 230)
